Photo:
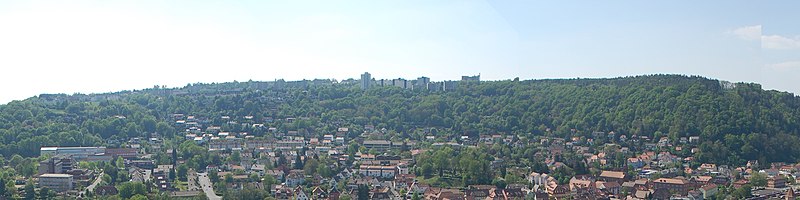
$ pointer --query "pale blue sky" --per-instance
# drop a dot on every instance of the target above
(102, 46)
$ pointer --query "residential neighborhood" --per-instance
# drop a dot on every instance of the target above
(382, 139)
(356, 161)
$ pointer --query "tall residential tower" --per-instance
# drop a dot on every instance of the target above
(366, 80)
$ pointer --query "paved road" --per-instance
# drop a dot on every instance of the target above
(207, 186)
(91, 187)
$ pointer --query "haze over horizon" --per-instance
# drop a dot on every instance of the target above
(99, 46)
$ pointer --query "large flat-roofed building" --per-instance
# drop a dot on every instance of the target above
(259, 144)
(378, 171)
(378, 145)
(290, 144)
(58, 164)
(77, 153)
(57, 182)
(674, 185)
(612, 176)
(225, 144)
(126, 153)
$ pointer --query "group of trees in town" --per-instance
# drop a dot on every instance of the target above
(736, 122)
(465, 166)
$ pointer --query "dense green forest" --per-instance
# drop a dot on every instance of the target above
(735, 124)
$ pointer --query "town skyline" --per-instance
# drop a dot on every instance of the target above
(98, 46)
(379, 81)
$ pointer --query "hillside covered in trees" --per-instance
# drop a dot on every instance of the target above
(737, 122)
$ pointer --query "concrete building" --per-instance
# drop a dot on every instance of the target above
(378, 171)
(435, 86)
(401, 83)
(421, 83)
(776, 182)
(259, 144)
(449, 85)
(161, 177)
(476, 78)
(290, 144)
(538, 179)
(225, 144)
(57, 182)
(674, 185)
(366, 80)
(378, 145)
(612, 176)
(60, 164)
(402, 168)
(77, 153)
(126, 153)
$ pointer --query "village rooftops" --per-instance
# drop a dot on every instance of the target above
(672, 181)
(612, 174)
(703, 178)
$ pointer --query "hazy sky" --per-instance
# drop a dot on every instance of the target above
(102, 46)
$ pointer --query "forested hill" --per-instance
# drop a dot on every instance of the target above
(736, 122)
